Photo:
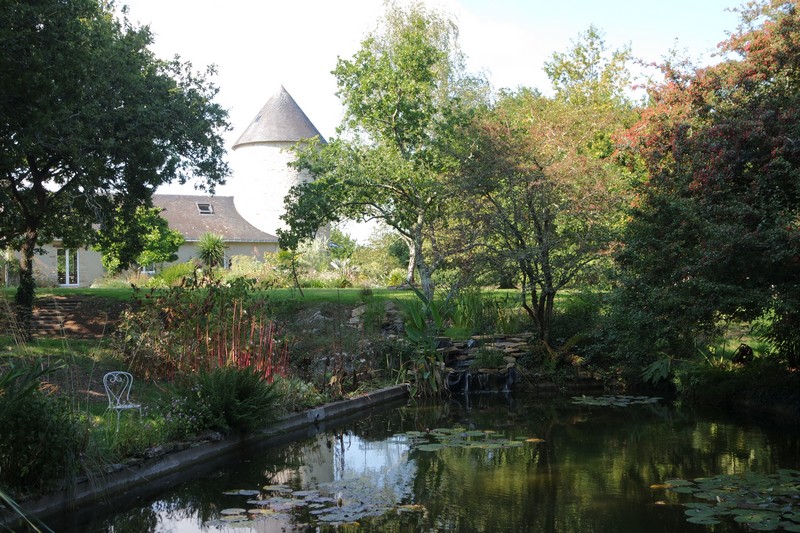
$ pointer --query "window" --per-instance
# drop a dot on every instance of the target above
(149, 269)
(67, 261)
(205, 209)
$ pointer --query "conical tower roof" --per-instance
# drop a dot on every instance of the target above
(280, 120)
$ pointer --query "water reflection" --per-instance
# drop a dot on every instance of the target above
(592, 472)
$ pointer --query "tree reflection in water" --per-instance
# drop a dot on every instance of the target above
(592, 472)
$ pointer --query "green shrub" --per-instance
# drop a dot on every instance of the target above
(396, 277)
(42, 440)
(172, 275)
(297, 394)
(227, 399)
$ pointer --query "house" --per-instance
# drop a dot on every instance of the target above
(193, 216)
(247, 220)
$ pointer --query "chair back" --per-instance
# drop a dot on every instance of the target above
(118, 387)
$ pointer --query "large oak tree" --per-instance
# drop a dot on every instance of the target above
(90, 124)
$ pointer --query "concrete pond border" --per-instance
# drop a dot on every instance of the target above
(154, 475)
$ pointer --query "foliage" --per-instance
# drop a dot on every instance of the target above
(742, 496)
(487, 358)
(296, 394)
(211, 250)
(201, 326)
(425, 320)
(92, 124)
(403, 93)
(341, 244)
(172, 275)
(42, 439)
(720, 383)
(147, 240)
(714, 234)
(226, 399)
(544, 186)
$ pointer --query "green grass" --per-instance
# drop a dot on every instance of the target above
(115, 294)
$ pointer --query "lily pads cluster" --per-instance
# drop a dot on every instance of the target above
(614, 401)
(341, 502)
(458, 437)
(765, 502)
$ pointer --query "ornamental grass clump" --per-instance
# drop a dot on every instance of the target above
(226, 399)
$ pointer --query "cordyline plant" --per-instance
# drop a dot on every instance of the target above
(200, 326)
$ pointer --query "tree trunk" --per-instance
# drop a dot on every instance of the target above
(27, 287)
(412, 262)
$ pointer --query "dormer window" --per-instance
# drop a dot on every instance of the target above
(205, 209)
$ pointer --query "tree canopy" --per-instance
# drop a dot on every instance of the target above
(404, 92)
(716, 230)
(542, 180)
(146, 240)
(91, 122)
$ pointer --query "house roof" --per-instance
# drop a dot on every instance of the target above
(194, 215)
(280, 120)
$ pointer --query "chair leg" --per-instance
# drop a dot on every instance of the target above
(118, 413)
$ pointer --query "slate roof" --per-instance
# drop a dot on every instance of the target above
(183, 213)
(280, 120)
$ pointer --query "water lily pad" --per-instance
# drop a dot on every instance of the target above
(431, 447)
(261, 511)
(242, 492)
(277, 488)
(233, 511)
(703, 520)
(614, 401)
(305, 493)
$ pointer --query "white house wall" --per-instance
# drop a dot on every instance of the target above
(188, 251)
(45, 267)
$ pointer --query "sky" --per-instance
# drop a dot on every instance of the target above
(259, 45)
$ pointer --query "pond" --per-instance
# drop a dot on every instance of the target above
(496, 463)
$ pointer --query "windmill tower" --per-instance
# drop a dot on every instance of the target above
(261, 175)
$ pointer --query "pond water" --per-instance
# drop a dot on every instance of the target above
(495, 463)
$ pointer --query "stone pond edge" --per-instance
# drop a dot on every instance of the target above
(148, 471)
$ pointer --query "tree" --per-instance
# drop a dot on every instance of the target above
(547, 190)
(403, 92)
(91, 123)
(716, 232)
(147, 240)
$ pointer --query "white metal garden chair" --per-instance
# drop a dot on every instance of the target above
(118, 389)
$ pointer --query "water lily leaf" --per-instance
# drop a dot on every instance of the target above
(305, 493)
(788, 526)
(703, 520)
(534, 440)
(261, 511)
(277, 488)
(431, 447)
(699, 511)
(233, 511)
(753, 517)
(242, 492)
(698, 506)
